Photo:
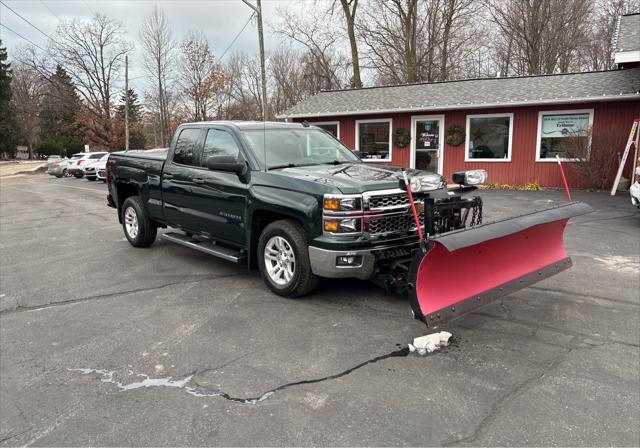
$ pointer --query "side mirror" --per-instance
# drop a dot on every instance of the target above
(226, 163)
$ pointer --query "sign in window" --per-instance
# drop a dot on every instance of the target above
(557, 130)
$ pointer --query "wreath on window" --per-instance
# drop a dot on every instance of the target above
(455, 135)
(401, 138)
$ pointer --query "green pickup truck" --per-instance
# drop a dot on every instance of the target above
(293, 200)
(287, 197)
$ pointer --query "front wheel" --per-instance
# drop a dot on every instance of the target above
(283, 259)
(138, 228)
(78, 174)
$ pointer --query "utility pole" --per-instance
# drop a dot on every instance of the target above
(258, 10)
(126, 102)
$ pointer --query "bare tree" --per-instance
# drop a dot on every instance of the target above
(322, 40)
(349, 9)
(27, 92)
(200, 76)
(540, 36)
(159, 57)
(598, 49)
(92, 51)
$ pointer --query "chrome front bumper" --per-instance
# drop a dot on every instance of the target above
(323, 263)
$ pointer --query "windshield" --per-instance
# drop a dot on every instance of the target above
(297, 147)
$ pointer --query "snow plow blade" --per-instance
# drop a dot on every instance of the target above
(463, 270)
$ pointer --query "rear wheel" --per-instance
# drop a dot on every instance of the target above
(283, 259)
(138, 228)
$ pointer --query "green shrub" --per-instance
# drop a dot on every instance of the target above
(50, 147)
(532, 186)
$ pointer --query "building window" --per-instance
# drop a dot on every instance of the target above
(332, 127)
(561, 131)
(373, 139)
(489, 138)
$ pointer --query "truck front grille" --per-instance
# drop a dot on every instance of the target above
(394, 224)
(391, 200)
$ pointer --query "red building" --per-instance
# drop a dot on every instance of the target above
(512, 127)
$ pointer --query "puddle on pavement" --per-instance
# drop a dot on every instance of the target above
(188, 385)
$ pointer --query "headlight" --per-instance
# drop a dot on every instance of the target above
(428, 182)
(338, 203)
(471, 177)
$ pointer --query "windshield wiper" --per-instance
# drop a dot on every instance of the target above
(286, 165)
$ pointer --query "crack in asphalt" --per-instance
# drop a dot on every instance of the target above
(21, 308)
(588, 296)
(106, 376)
(554, 329)
(497, 405)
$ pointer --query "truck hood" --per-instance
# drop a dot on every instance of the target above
(350, 178)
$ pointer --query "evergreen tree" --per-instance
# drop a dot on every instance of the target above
(8, 129)
(137, 140)
(135, 108)
(60, 106)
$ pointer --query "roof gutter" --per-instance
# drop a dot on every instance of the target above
(588, 99)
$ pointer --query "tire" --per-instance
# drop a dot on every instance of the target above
(91, 179)
(284, 240)
(65, 173)
(138, 229)
(58, 175)
(78, 174)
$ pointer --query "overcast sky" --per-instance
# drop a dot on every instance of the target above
(220, 20)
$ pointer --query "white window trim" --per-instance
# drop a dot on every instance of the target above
(376, 120)
(558, 112)
(468, 136)
(337, 123)
(414, 118)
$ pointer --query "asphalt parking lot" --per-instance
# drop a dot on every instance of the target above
(105, 344)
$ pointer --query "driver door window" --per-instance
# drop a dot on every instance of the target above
(219, 143)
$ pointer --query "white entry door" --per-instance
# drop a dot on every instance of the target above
(427, 142)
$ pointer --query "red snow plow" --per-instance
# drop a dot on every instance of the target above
(459, 271)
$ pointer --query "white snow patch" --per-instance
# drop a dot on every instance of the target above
(619, 263)
(107, 376)
(430, 343)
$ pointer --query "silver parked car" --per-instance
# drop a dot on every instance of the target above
(59, 168)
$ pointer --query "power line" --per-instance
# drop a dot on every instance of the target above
(20, 35)
(88, 7)
(19, 15)
(237, 35)
(50, 10)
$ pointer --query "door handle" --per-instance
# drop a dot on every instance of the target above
(198, 180)
(167, 176)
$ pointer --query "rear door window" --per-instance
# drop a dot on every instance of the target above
(96, 156)
(186, 152)
(219, 143)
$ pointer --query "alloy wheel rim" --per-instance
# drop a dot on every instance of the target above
(131, 222)
(280, 260)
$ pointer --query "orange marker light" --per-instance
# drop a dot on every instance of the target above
(331, 204)
(331, 225)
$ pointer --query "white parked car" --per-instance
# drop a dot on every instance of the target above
(77, 169)
(101, 168)
(92, 166)
(634, 190)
